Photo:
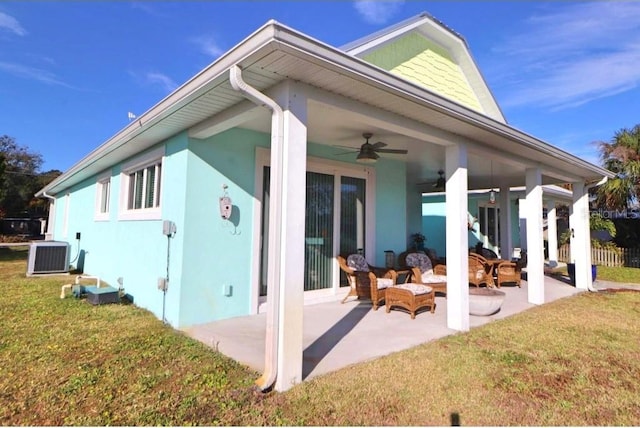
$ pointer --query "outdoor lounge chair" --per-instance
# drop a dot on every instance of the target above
(423, 272)
(366, 281)
(508, 272)
(479, 271)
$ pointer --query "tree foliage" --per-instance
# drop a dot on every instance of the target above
(622, 156)
(20, 179)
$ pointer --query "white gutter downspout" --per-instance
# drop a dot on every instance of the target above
(52, 214)
(268, 378)
(586, 189)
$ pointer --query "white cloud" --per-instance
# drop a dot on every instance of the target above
(377, 12)
(162, 80)
(31, 73)
(8, 22)
(570, 55)
(208, 46)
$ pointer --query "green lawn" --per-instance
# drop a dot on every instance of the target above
(575, 361)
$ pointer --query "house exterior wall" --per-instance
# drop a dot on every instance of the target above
(427, 64)
(434, 221)
(218, 253)
(210, 259)
(134, 250)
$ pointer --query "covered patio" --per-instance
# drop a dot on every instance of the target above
(338, 335)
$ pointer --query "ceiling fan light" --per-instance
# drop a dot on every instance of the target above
(367, 157)
(492, 196)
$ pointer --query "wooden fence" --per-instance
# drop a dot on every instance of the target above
(629, 257)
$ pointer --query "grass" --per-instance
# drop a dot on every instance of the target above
(615, 274)
(575, 361)
(619, 274)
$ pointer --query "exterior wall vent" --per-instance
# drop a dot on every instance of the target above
(48, 257)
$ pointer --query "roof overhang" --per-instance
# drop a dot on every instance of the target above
(275, 53)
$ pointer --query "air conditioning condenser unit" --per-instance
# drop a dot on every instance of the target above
(48, 257)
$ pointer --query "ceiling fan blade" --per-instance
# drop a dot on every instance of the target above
(347, 153)
(379, 145)
(400, 151)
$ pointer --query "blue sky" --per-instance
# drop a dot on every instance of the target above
(566, 72)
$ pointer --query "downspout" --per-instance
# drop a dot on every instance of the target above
(586, 189)
(52, 214)
(268, 378)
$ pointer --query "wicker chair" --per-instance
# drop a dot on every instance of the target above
(508, 272)
(366, 281)
(423, 272)
(479, 272)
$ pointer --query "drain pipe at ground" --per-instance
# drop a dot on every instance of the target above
(268, 378)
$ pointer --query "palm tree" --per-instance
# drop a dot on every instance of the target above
(621, 156)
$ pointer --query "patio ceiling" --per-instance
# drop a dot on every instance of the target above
(370, 99)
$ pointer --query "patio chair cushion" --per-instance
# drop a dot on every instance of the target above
(358, 262)
(420, 260)
(384, 283)
(432, 278)
(415, 289)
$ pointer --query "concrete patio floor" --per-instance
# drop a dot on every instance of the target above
(338, 335)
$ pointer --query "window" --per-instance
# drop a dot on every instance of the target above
(144, 187)
(103, 195)
(141, 179)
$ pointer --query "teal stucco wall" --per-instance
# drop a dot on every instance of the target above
(208, 256)
(434, 222)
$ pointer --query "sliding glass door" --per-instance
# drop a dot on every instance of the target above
(325, 214)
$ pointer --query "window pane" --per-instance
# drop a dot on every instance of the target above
(158, 181)
(139, 182)
(352, 226)
(104, 196)
(266, 183)
(150, 186)
(319, 231)
(132, 190)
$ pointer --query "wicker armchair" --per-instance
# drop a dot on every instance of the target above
(479, 271)
(423, 272)
(366, 281)
(508, 272)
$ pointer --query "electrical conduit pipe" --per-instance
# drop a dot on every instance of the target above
(268, 378)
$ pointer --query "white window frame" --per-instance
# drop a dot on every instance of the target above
(103, 182)
(141, 163)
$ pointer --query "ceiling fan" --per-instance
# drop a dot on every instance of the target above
(368, 152)
(439, 184)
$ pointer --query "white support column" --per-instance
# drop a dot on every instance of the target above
(292, 201)
(581, 236)
(552, 232)
(457, 238)
(535, 247)
(506, 240)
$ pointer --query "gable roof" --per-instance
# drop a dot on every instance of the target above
(425, 51)
(275, 53)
